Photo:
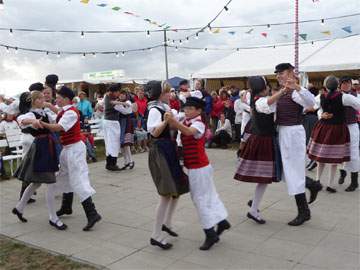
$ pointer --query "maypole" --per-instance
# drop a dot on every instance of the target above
(296, 37)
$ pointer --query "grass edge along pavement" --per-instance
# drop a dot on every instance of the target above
(15, 255)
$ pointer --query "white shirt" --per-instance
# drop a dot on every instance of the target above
(68, 119)
(29, 115)
(262, 106)
(226, 127)
(123, 108)
(198, 125)
(238, 108)
(304, 97)
(154, 118)
(5, 125)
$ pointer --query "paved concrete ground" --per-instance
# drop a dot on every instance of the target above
(127, 202)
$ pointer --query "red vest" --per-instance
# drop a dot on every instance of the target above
(194, 150)
(288, 112)
(73, 135)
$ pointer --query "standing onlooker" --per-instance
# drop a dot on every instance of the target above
(84, 106)
(199, 85)
(141, 102)
(218, 107)
(238, 108)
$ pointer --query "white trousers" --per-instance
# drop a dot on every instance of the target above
(112, 137)
(354, 164)
(73, 175)
(203, 193)
(292, 143)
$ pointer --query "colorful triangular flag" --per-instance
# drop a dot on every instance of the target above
(264, 34)
(84, 1)
(250, 31)
(116, 8)
(328, 33)
(167, 27)
(215, 30)
(303, 36)
(347, 29)
(102, 5)
(128, 13)
(232, 32)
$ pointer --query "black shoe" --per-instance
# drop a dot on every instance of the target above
(330, 189)
(113, 168)
(125, 166)
(63, 227)
(210, 240)
(222, 226)
(94, 159)
(314, 187)
(165, 246)
(19, 215)
(342, 177)
(313, 166)
(66, 205)
(249, 203)
(91, 214)
(169, 231)
(256, 219)
(303, 210)
(354, 182)
(31, 200)
(131, 165)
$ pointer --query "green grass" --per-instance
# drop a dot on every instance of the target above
(16, 256)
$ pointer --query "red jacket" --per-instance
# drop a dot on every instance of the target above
(218, 107)
(141, 104)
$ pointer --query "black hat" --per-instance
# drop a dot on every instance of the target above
(194, 102)
(114, 87)
(154, 89)
(283, 66)
(331, 83)
(183, 82)
(66, 92)
(51, 79)
(24, 102)
(257, 84)
(36, 86)
(345, 79)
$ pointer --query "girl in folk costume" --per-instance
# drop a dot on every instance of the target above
(167, 174)
(40, 162)
(210, 208)
(292, 140)
(257, 160)
(112, 128)
(330, 139)
(74, 173)
(353, 166)
(125, 107)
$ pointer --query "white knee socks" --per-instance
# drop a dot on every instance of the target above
(29, 191)
(127, 155)
(259, 192)
(160, 216)
(333, 168)
(50, 201)
(170, 212)
(319, 171)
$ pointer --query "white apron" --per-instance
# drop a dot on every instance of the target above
(73, 175)
(203, 193)
(292, 143)
(112, 137)
(354, 164)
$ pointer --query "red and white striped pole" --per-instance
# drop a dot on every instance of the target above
(296, 37)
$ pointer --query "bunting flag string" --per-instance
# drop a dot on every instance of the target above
(303, 36)
(328, 33)
(347, 29)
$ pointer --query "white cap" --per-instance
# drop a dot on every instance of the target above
(355, 81)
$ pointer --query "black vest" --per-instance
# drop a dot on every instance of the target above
(332, 103)
(262, 124)
(36, 132)
(165, 134)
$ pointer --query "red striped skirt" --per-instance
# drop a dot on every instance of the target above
(329, 143)
(257, 161)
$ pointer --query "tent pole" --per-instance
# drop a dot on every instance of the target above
(296, 37)
(166, 58)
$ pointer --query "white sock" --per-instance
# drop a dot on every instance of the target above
(319, 171)
(160, 216)
(259, 192)
(170, 212)
(127, 155)
(50, 201)
(29, 191)
(333, 168)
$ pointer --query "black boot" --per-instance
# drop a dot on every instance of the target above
(354, 182)
(210, 240)
(303, 210)
(342, 176)
(112, 166)
(222, 226)
(108, 162)
(66, 205)
(314, 187)
(91, 214)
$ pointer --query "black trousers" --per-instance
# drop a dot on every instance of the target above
(222, 138)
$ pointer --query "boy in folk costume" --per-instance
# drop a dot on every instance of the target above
(353, 166)
(210, 208)
(74, 172)
(292, 140)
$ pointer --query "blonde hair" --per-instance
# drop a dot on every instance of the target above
(35, 95)
(138, 88)
(165, 87)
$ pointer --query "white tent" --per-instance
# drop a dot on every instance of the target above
(339, 54)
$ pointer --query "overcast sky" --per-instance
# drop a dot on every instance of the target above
(17, 71)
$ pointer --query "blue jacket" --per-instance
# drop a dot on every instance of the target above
(84, 106)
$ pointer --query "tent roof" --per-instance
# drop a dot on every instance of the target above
(339, 54)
